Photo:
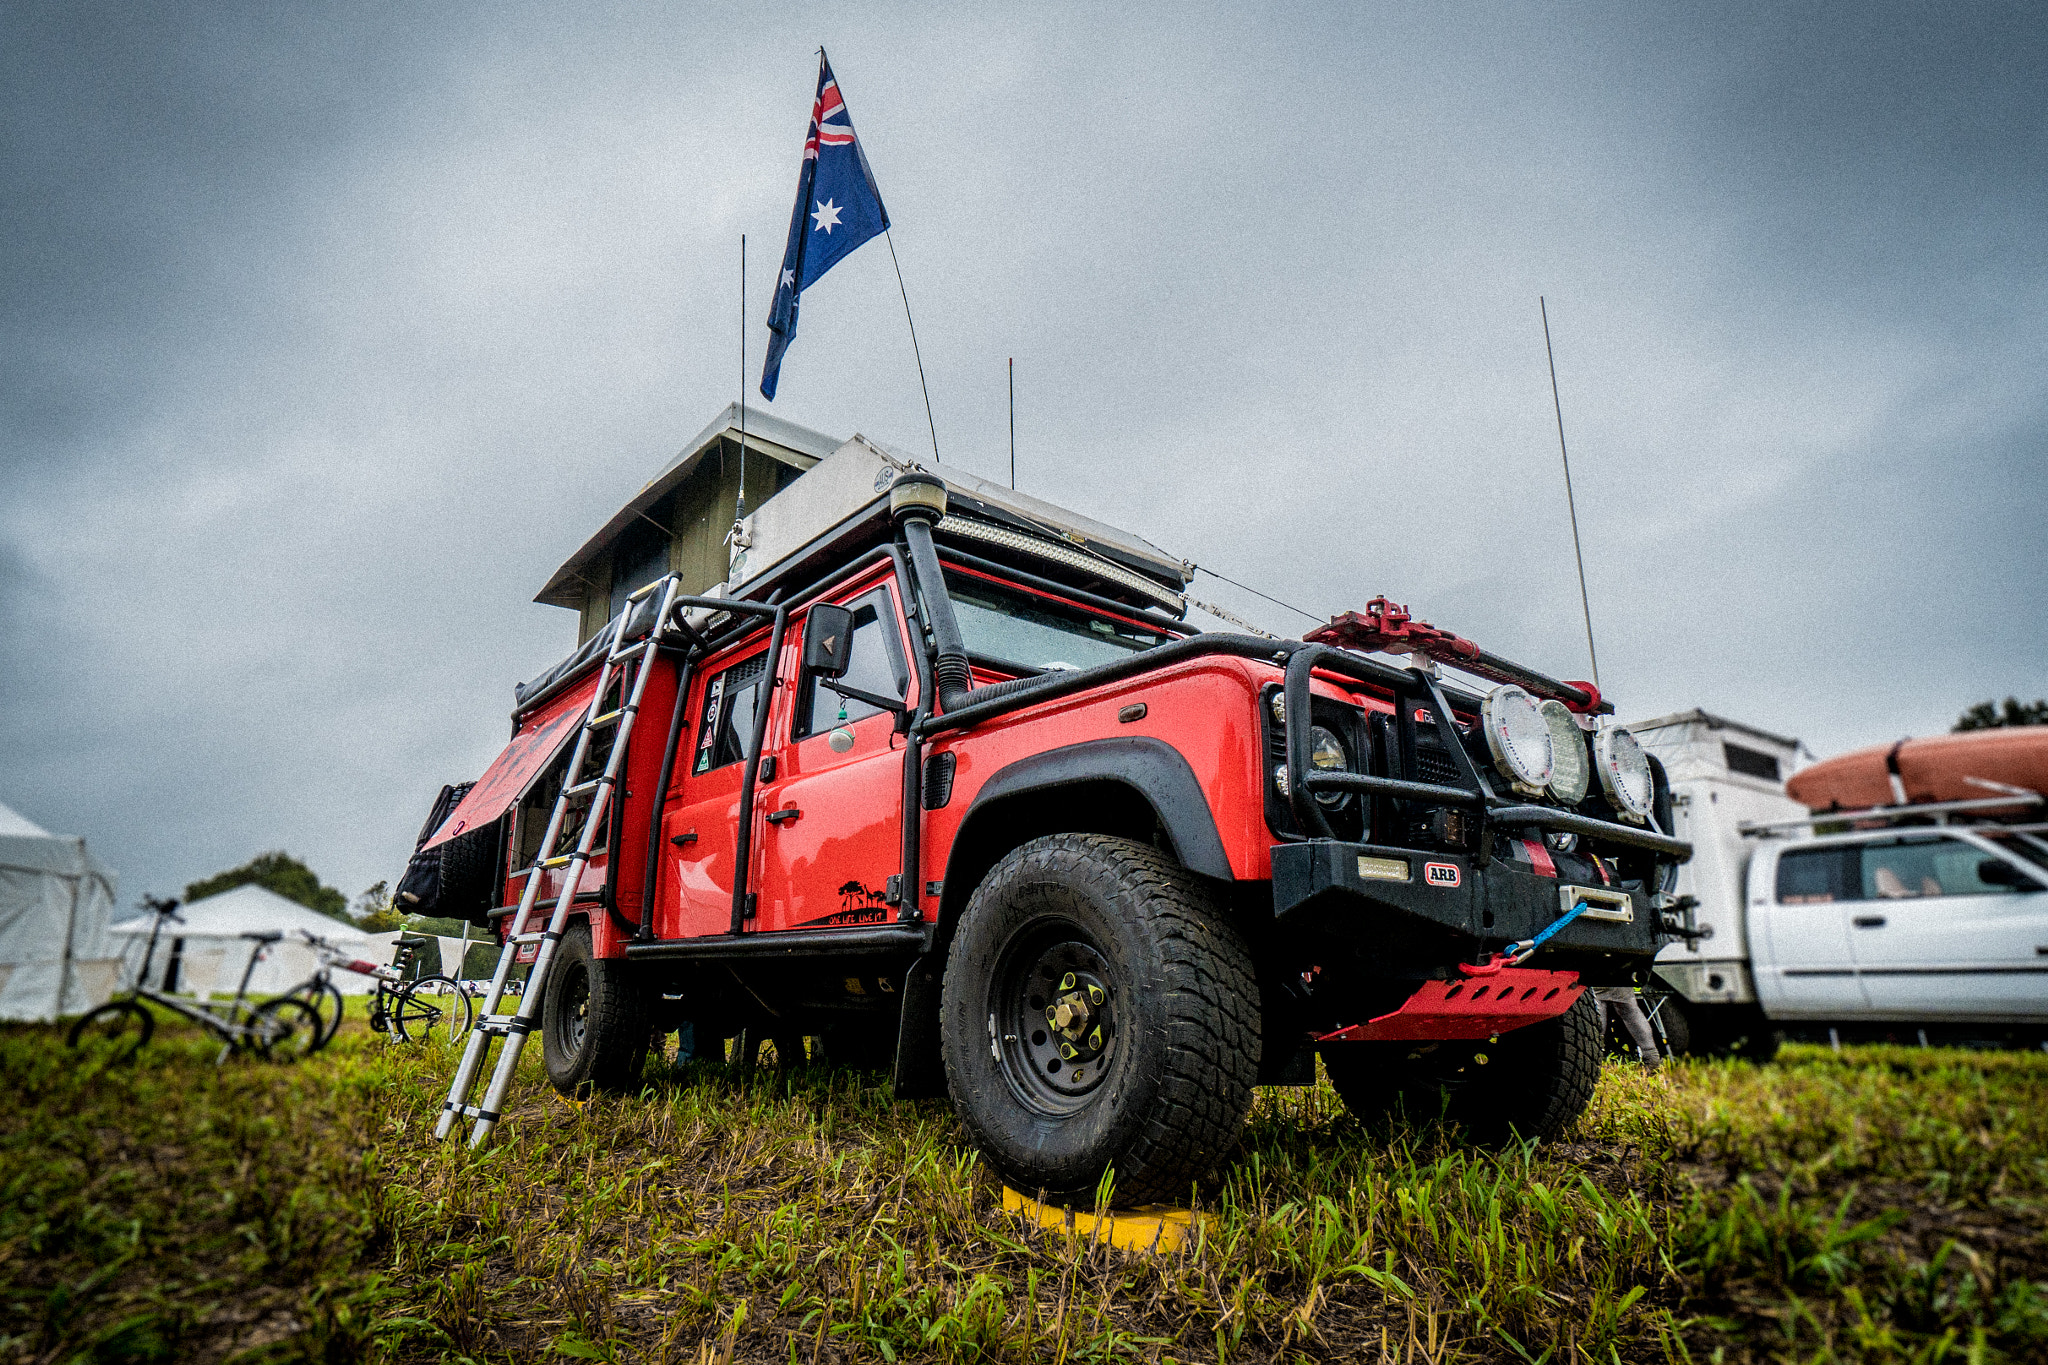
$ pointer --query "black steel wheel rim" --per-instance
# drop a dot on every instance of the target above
(1053, 1017)
(572, 1025)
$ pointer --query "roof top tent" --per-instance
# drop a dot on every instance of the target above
(54, 902)
(830, 501)
(1722, 773)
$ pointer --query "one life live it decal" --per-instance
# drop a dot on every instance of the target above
(1440, 874)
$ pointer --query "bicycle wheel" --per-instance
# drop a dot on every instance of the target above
(284, 1030)
(332, 1007)
(433, 1009)
(116, 1030)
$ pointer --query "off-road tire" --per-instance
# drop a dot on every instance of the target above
(1181, 1052)
(1534, 1082)
(1675, 1017)
(594, 1020)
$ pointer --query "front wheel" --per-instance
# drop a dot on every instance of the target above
(433, 1009)
(1532, 1082)
(285, 1030)
(1099, 1011)
(116, 1031)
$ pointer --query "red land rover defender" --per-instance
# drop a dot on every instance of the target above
(961, 799)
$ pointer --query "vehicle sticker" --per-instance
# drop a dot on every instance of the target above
(1440, 874)
(527, 952)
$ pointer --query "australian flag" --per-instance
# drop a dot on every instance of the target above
(837, 208)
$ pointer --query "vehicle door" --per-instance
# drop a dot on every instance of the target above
(1950, 929)
(1799, 921)
(834, 805)
(700, 827)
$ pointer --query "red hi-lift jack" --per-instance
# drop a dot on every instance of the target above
(1386, 627)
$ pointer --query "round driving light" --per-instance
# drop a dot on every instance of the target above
(1571, 769)
(1625, 772)
(1518, 735)
(1326, 754)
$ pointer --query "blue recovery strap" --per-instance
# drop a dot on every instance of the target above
(1518, 951)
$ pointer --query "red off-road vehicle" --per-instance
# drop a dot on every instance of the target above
(956, 796)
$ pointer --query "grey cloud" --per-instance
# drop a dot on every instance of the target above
(331, 333)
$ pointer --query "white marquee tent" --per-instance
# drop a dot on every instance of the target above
(206, 954)
(55, 957)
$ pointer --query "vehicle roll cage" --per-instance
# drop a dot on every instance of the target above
(929, 608)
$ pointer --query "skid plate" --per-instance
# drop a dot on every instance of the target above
(1479, 1007)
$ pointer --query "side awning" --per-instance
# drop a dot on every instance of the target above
(538, 739)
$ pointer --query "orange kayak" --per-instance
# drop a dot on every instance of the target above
(1934, 769)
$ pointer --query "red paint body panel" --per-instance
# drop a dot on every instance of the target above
(1511, 998)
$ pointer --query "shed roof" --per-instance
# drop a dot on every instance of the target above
(777, 438)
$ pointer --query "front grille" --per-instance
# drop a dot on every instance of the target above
(1433, 765)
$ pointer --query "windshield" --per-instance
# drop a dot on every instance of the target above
(1006, 627)
(2024, 846)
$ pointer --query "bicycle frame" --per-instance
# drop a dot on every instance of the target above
(223, 1020)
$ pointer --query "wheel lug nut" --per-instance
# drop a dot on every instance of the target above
(1095, 1038)
(1067, 1051)
(1067, 982)
(1094, 993)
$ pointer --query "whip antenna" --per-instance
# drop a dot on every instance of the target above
(1585, 603)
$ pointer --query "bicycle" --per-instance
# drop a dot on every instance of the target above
(413, 1011)
(284, 1028)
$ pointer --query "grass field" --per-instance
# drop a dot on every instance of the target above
(1878, 1204)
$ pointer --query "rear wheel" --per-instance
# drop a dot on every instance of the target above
(594, 1020)
(433, 1009)
(1533, 1082)
(116, 1031)
(1099, 1010)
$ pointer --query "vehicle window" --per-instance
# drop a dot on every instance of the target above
(727, 723)
(875, 664)
(1819, 876)
(1906, 869)
(2024, 846)
(1008, 627)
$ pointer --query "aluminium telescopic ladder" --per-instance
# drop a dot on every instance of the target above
(513, 1027)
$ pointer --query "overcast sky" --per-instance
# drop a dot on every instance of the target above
(330, 331)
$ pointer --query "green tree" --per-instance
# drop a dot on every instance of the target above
(374, 910)
(1987, 715)
(279, 872)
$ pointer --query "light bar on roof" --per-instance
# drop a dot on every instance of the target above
(1072, 557)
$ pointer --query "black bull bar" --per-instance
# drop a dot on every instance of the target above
(1463, 894)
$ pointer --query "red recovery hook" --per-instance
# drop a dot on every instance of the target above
(1506, 998)
(1386, 627)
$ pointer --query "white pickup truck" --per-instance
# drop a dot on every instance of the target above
(1904, 928)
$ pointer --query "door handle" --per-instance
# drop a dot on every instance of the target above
(776, 817)
(1861, 921)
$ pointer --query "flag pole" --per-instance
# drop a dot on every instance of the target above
(913, 340)
(1571, 503)
(740, 507)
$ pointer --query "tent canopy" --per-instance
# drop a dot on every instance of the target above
(207, 953)
(54, 902)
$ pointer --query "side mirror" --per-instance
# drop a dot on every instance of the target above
(828, 641)
(1998, 872)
